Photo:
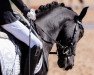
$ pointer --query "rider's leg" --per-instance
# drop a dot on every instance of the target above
(35, 57)
(21, 32)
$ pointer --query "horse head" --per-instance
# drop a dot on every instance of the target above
(71, 32)
(59, 24)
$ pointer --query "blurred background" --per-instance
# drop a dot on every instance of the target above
(84, 59)
(77, 5)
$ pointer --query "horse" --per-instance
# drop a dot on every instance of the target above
(59, 24)
(55, 23)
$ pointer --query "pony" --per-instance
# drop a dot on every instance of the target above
(58, 24)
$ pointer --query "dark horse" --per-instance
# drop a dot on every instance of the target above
(58, 24)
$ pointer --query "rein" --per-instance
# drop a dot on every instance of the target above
(62, 47)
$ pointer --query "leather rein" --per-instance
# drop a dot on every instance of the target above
(63, 47)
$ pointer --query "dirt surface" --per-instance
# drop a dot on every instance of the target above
(84, 59)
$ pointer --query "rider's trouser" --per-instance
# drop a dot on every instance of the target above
(21, 32)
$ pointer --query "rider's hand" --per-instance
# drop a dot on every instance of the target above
(31, 14)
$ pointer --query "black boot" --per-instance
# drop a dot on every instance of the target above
(32, 60)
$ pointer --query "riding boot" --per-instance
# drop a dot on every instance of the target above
(32, 60)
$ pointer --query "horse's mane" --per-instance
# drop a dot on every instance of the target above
(44, 9)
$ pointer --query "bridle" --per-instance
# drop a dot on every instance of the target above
(65, 52)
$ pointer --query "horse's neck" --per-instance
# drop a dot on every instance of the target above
(52, 22)
(50, 25)
(47, 31)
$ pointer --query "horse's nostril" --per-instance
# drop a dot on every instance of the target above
(69, 67)
(60, 64)
(65, 65)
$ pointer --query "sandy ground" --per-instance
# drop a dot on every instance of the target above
(84, 59)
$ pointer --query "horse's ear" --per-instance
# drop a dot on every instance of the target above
(82, 14)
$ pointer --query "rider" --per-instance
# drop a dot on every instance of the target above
(15, 27)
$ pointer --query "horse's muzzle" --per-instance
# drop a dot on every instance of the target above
(66, 63)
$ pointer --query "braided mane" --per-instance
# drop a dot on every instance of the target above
(44, 9)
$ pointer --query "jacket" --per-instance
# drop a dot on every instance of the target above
(6, 12)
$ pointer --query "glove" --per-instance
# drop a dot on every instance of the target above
(31, 14)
